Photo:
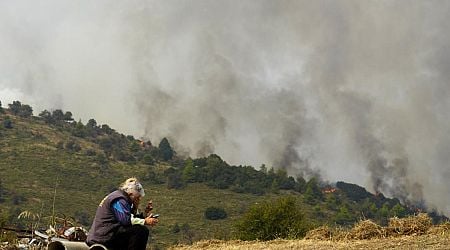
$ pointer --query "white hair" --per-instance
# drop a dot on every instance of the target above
(132, 185)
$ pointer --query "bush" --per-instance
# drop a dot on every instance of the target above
(175, 228)
(7, 123)
(72, 146)
(18, 199)
(148, 159)
(60, 145)
(174, 181)
(215, 213)
(271, 220)
(90, 152)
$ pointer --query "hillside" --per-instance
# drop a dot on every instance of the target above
(52, 166)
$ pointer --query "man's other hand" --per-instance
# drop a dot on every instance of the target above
(151, 221)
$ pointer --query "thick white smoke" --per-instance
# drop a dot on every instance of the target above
(354, 90)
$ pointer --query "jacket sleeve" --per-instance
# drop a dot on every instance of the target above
(122, 211)
(137, 221)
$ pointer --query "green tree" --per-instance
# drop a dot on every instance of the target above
(275, 186)
(148, 159)
(218, 173)
(383, 214)
(79, 130)
(301, 184)
(369, 208)
(263, 169)
(26, 111)
(1, 108)
(91, 124)
(332, 202)
(107, 130)
(189, 172)
(343, 217)
(134, 146)
(23, 110)
(47, 116)
(286, 182)
(313, 192)
(270, 220)
(68, 116)
(398, 210)
(166, 150)
(15, 107)
(58, 115)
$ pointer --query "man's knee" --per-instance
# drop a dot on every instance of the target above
(141, 230)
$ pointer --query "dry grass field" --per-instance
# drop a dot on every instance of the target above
(407, 233)
(428, 241)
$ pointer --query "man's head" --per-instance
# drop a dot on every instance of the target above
(133, 188)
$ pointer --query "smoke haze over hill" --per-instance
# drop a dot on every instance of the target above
(354, 90)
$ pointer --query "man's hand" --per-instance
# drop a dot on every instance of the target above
(149, 208)
(150, 220)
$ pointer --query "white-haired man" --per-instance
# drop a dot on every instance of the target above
(115, 225)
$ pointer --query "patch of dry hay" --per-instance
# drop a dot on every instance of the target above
(441, 229)
(407, 233)
(320, 233)
(414, 225)
(366, 229)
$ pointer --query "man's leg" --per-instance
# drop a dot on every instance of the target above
(139, 237)
(134, 237)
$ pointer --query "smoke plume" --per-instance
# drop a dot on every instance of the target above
(354, 90)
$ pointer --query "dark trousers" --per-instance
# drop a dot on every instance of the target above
(132, 238)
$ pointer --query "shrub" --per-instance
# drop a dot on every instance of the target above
(90, 152)
(215, 213)
(7, 123)
(72, 146)
(271, 220)
(174, 181)
(148, 159)
(175, 228)
(60, 145)
(18, 199)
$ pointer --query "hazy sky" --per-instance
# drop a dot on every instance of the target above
(353, 90)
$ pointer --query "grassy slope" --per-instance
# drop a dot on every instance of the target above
(31, 166)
